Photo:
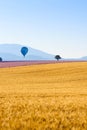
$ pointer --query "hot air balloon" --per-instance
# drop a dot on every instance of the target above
(24, 51)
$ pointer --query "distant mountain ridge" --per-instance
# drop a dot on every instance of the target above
(84, 58)
(11, 52)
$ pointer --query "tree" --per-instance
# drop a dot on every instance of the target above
(0, 59)
(57, 57)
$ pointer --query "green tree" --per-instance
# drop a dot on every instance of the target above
(57, 57)
(0, 59)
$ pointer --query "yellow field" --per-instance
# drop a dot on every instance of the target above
(44, 97)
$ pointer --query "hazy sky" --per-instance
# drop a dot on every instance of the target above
(54, 26)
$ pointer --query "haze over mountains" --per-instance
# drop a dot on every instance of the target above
(11, 52)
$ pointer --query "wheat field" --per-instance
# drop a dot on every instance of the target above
(44, 97)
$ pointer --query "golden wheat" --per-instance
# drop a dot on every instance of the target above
(44, 97)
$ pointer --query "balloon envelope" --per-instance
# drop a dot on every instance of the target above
(24, 51)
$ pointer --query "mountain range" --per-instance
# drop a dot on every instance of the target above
(12, 52)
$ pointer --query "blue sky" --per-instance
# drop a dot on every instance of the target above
(54, 26)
